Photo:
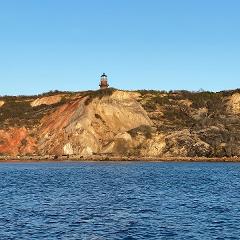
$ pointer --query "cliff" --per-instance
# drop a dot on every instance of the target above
(122, 123)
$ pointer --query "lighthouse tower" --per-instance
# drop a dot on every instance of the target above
(103, 82)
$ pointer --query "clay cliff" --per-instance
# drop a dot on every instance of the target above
(122, 123)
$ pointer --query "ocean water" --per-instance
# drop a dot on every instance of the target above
(120, 200)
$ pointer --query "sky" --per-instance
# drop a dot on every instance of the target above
(140, 44)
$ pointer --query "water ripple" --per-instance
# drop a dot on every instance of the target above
(102, 201)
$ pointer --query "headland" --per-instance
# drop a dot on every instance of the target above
(111, 124)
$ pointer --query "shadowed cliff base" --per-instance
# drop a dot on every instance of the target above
(121, 124)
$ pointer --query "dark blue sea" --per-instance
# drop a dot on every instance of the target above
(121, 200)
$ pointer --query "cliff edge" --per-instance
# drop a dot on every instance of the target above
(122, 123)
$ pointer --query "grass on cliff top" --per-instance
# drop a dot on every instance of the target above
(109, 91)
(98, 94)
(157, 92)
(18, 113)
(33, 97)
(170, 110)
(204, 99)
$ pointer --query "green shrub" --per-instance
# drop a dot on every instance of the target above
(143, 129)
(98, 94)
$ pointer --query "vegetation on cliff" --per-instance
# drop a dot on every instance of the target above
(206, 115)
(146, 123)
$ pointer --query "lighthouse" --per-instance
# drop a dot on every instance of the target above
(103, 82)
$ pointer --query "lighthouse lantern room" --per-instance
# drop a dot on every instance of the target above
(103, 82)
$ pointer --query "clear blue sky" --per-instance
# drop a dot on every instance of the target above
(141, 44)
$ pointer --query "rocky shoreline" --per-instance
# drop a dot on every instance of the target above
(98, 158)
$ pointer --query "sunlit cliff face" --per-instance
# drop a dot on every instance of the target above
(143, 123)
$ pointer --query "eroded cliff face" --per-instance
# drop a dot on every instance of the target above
(46, 100)
(234, 103)
(87, 127)
(143, 123)
(14, 141)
